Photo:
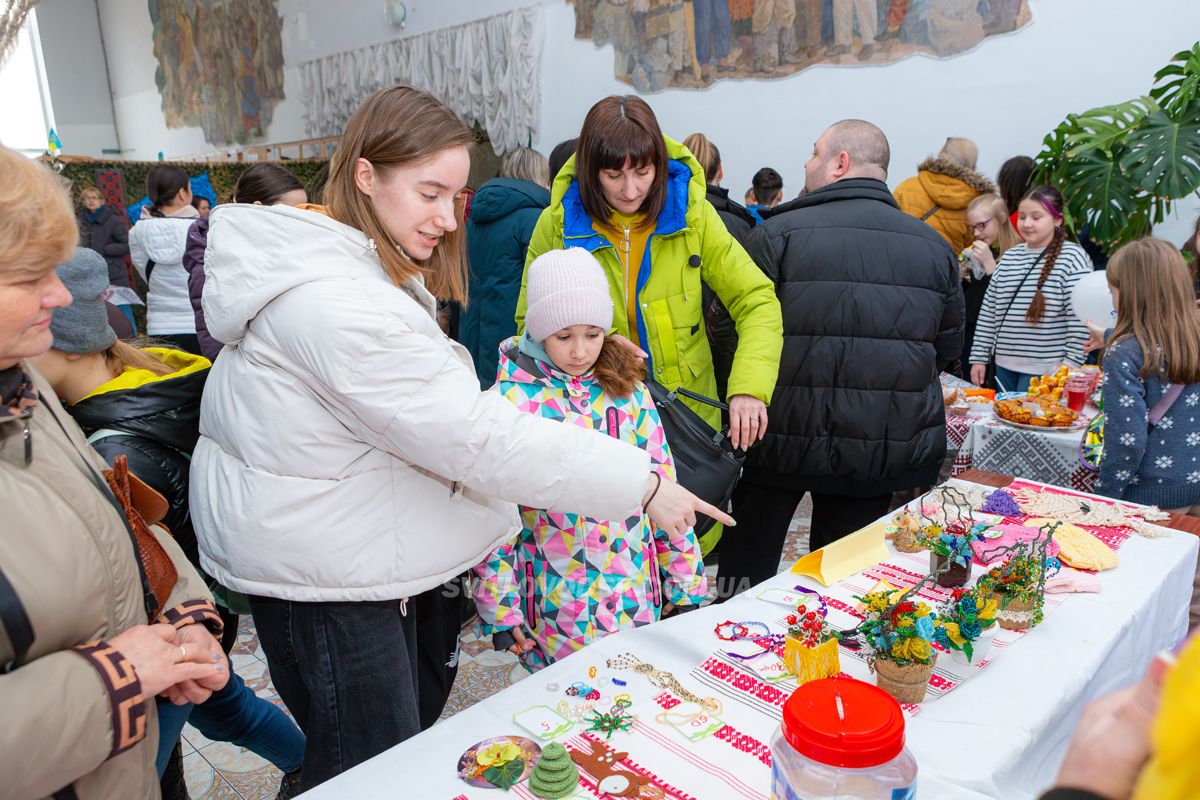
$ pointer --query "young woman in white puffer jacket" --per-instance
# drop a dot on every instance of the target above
(348, 459)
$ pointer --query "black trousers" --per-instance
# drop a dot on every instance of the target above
(751, 551)
(347, 672)
(360, 677)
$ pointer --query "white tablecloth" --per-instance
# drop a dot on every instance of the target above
(1001, 734)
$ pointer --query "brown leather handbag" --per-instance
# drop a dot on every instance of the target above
(144, 507)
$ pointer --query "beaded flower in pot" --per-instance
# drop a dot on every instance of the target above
(900, 636)
(968, 623)
(949, 552)
(811, 648)
(1018, 584)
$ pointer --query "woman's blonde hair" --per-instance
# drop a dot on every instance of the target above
(706, 153)
(91, 191)
(993, 206)
(1156, 306)
(526, 164)
(121, 355)
(37, 221)
(963, 152)
(397, 127)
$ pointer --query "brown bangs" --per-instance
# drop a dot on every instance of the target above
(620, 130)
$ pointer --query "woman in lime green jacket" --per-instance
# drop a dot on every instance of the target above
(636, 200)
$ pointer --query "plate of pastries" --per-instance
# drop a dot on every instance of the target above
(1039, 413)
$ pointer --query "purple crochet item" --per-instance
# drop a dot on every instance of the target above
(1001, 502)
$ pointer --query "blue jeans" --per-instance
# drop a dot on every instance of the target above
(1012, 381)
(714, 31)
(347, 672)
(234, 714)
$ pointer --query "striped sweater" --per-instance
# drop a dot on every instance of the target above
(1021, 346)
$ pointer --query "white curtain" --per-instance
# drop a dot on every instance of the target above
(488, 71)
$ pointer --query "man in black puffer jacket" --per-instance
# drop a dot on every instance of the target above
(872, 309)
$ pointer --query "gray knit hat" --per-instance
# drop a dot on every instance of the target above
(82, 327)
(565, 288)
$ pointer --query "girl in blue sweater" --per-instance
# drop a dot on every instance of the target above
(1152, 381)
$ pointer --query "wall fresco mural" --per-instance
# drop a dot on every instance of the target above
(220, 66)
(662, 44)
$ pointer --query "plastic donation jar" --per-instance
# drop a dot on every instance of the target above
(841, 739)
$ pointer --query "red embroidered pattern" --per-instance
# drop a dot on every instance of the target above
(745, 683)
(728, 733)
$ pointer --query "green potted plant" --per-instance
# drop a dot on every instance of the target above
(1121, 166)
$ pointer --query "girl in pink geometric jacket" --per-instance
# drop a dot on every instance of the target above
(567, 578)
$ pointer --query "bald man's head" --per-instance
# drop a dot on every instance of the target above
(852, 148)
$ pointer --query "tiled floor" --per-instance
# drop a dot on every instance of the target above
(222, 771)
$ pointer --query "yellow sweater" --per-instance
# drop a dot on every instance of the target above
(629, 236)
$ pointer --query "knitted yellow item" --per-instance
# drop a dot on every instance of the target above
(1077, 547)
(1174, 770)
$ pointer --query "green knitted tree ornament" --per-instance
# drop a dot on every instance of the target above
(555, 775)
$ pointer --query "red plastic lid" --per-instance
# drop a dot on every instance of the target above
(844, 722)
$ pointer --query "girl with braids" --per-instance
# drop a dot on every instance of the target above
(1026, 322)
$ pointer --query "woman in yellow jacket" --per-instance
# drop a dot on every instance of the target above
(943, 188)
(635, 199)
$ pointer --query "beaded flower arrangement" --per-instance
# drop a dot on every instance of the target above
(952, 543)
(964, 618)
(811, 648)
(1019, 582)
(902, 631)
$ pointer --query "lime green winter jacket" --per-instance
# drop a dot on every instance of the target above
(689, 244)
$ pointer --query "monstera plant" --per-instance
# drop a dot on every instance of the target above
(1119, 167)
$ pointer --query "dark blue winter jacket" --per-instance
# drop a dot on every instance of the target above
(503, 213)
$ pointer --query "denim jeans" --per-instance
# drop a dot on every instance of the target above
(347, 672)
(234, 714)
(1013, 381)
(714, 31)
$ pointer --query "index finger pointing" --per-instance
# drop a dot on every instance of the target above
(714, 512)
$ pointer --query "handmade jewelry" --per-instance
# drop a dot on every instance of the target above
(592, 671)
(575, 712)
(741, 632)
(615, 720)
(726, 733)
(663, 680)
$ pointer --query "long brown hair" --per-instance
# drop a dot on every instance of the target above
(706, 153)
(1191, 247)
(618, 369)
(615, 130)
(993, 206)
(396, 127)
(1052, 200)
(121, 355)
(1156, 305)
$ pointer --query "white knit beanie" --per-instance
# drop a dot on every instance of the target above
(565, 288)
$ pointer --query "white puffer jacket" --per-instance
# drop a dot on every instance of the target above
(346, 451)
(162, 240)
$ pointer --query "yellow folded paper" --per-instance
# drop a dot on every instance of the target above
(848, 555)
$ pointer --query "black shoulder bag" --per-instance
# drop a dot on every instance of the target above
(706, 463)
